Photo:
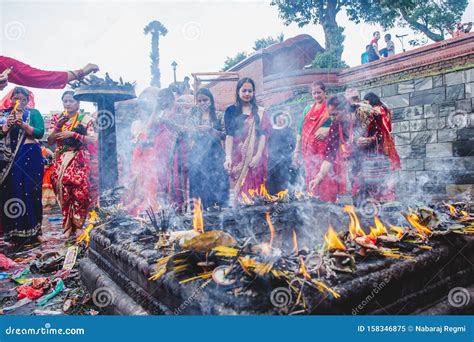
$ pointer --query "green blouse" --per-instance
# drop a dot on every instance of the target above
(36, 121)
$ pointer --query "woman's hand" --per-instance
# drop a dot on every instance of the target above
(255, 160)
(64, 135)
(321, 133)
(90, 68)
(364, 142)
(228, 164)
(314, 184)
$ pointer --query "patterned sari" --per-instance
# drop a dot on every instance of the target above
(71, 174)
(245, 144)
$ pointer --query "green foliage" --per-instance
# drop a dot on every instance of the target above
(328, 60)
(262, 43)
(231, 61)
(430, 17)
(433, 18)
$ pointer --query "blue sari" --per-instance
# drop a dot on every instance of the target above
(208, 179)
(21, 177)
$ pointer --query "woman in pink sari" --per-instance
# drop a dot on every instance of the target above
(247, 128)
(171, 145)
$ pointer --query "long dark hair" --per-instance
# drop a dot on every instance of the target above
(212, 107)
(253, 101)
(21, 90)
(374, 100)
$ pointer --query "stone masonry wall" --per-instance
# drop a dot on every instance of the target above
(433, 127)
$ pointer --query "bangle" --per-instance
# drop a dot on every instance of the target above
(228, 158)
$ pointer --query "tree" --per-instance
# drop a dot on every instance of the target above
(231, 61)
(262, 43)
(431, 17)
(318, 12)
(156, 29)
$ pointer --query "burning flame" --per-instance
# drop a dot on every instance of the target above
(93, 218)
(319, 285)
(295, 242)
(452, 210)
(85, 235)
(17, 104)
(272, 229)
(333, 241)
(399, 230)
(464, 213)
(378, 230)
(355, 229)
(198, 223)
(414, 220)
(246, 199)
(282, 194)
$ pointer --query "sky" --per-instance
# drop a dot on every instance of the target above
(65, 35)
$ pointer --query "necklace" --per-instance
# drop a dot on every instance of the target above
(73, 125)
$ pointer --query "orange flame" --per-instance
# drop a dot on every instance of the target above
(378, 230)
(15, 107)
(295, 242)
(282, 194)
(452, 210)
(464, 213)
(198, 223)
(303, 269)
(355, 229)
(414, 221)
(272, 229)
(246, 199)
(333, 241)
(399, 230)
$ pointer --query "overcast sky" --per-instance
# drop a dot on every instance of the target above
(64, 35)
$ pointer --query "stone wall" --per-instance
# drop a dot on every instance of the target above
(433, 127)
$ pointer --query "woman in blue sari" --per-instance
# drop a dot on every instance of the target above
(21, 170)
(207, 178)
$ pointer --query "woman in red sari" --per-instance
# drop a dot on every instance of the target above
(247, 128)
(72, 131)
(312, 143)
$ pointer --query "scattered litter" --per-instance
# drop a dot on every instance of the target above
(26, 291)
(70, 259)
(57, 289)
(6, 263)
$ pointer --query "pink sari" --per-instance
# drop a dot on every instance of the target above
(242, 176)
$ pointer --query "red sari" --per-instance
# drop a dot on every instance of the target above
(71, 175)
(314, 150)
(171, 148)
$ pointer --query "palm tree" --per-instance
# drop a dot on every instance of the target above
(156, 29)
